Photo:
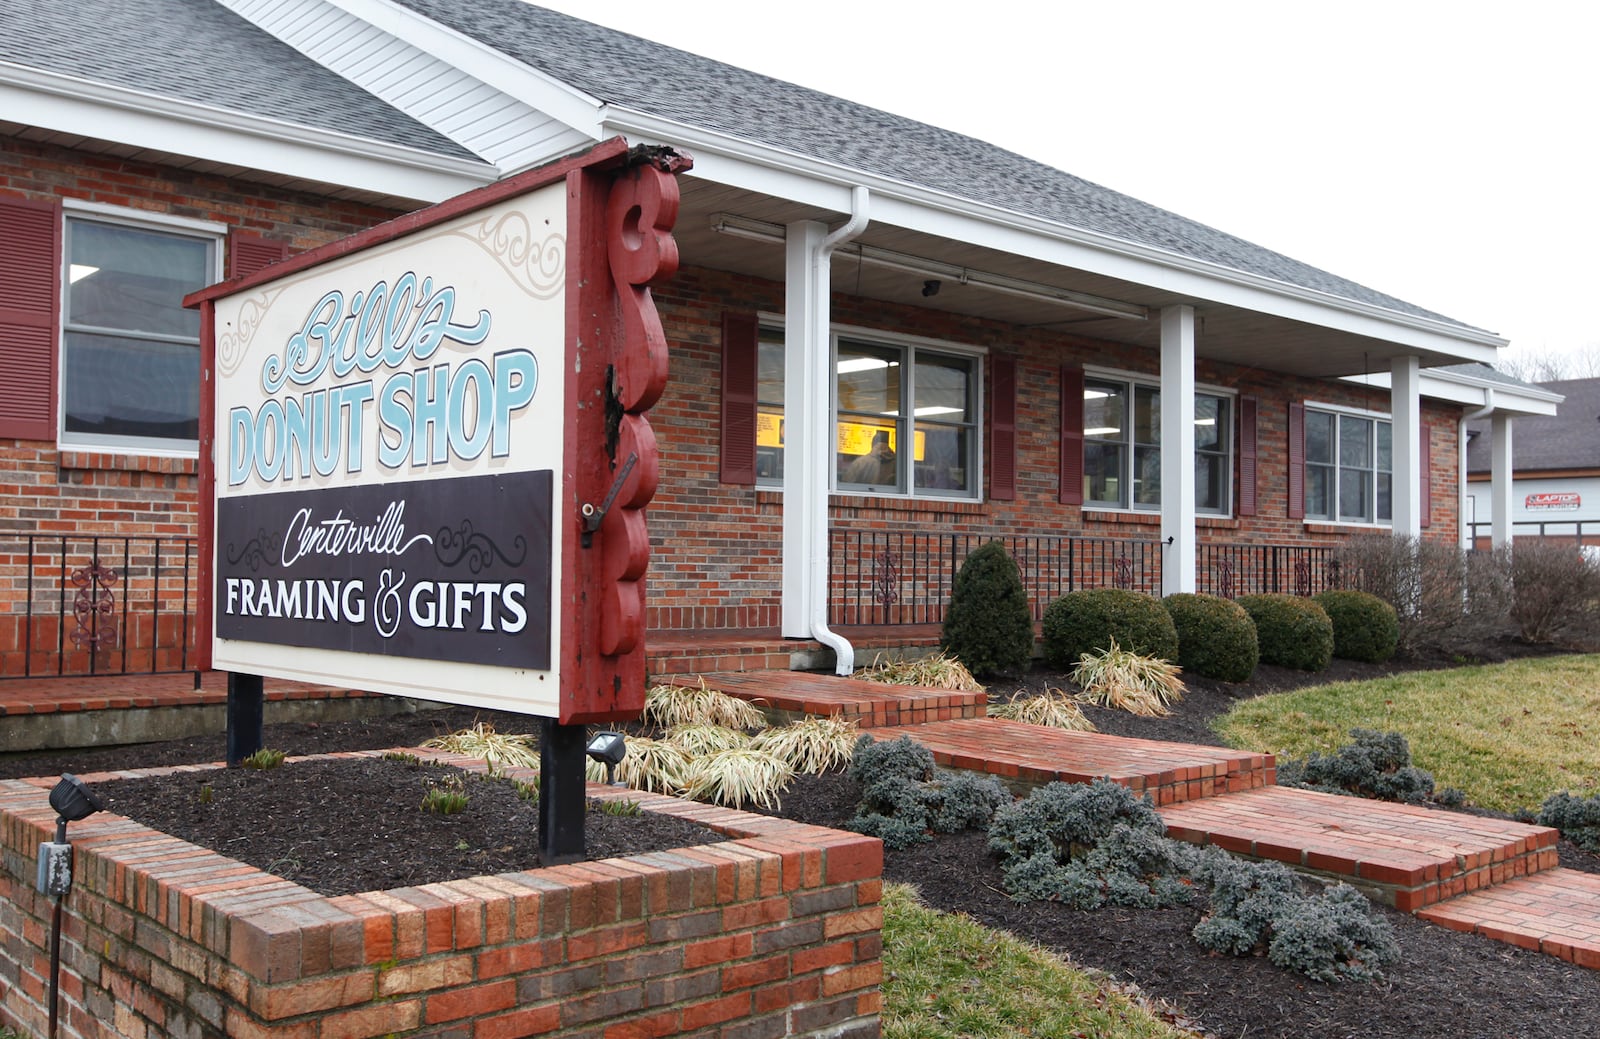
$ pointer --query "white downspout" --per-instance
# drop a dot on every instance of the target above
(844, 654)
(1468, 537)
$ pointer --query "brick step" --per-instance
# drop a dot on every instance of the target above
(1030, 755)
(1556, 911)
(787, 694)
(1404, 855)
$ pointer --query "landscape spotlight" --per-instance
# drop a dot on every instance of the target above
(608, 748)
(73, 800)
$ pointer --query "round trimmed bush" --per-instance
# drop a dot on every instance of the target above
(1291, 631)
(1086, 621)
(988, 626)
(1364, 626)
(1216, 637)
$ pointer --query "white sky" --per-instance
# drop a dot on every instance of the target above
(1441, 152)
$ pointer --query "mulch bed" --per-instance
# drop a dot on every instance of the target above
(1447, 984)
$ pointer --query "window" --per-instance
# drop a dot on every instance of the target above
(1122, 447)
(886, 395)
(1349, 468)
(130, 351)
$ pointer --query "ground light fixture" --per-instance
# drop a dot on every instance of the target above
(608, 748)
(72, 800)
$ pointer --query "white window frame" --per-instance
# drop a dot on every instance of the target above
(1341, 413)
(1131, 383)
(768, 323)
(75, 211)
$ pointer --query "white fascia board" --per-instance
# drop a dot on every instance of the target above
(536, 89)
(727, 159)
(1471, 391)
(108, 113)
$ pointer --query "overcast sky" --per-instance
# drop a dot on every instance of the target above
(1444, 153)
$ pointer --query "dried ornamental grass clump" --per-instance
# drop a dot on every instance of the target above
(736, 777)
(700, 738)
(936, 672)
(812, 746)
(1127, 681)
(667, 706)
(499, 750)
(1053, 708)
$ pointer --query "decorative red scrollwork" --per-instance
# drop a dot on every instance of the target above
(640, 212)
(94, 607)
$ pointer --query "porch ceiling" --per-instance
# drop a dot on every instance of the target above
(1225, 333)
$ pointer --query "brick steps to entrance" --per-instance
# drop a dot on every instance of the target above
(869, 704)
(1029, 755)
(1556, 911)
(1407, 856)
(1492, 877)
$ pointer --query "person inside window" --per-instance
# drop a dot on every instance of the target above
(877, 465)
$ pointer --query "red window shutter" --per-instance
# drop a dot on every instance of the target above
(1247, 455)
(1425, 450)
(1002, 427)
(248, 253)
(1297, 461)
(1071, 435)
(740, 349)
(30, 300)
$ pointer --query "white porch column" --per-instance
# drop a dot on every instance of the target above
(1500, 480)
(1405, 409)
(806, 388)
(1177, 449)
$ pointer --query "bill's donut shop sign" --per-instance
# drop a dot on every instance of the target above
(425, 454)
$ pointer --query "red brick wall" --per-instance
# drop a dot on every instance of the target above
(775, 933)
(76, 493)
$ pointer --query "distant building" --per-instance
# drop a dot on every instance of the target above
(1555, 466)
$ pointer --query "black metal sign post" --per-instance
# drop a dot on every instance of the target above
(245, 716)
(561, 793)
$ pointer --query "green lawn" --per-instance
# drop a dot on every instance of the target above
(1509, 735)
(947, 977)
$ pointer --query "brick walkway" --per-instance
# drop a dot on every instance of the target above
(1491, 876)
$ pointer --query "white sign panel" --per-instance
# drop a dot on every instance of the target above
(389, 432)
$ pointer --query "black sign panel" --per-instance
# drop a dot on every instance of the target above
(435, 569)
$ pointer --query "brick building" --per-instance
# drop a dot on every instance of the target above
(889, 342)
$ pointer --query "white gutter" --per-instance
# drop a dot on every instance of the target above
(707, 145)
(817, 480)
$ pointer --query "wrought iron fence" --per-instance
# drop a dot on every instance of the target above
(96, 604)
(905, 576)
(1232, 570)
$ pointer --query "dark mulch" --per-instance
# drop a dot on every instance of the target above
(1447, 984)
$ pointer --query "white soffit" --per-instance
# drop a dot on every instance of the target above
(1462, 388)
(68, 104)
(417, 80)
(725, 159)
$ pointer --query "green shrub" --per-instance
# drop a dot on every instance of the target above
(1578, 818)
(905, 797)
(1258, 906)
(1291, 631)
(1088, 845)
(989, 626)
(1086, 621)
(1216, 637)
(1377, 765)
(1364, 626)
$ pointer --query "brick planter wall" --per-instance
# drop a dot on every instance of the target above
(774, 933)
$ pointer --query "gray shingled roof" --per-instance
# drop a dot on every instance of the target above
(199, 51)
(663, 81)
(1569, 439)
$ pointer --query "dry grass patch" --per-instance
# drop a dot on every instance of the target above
(812, 745)
(499, 750)
(1053, 707)
(670, 705)
(1128, 681)
(936, 672)
(1508, 735)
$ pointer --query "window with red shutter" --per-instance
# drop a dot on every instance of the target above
(30, 293)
